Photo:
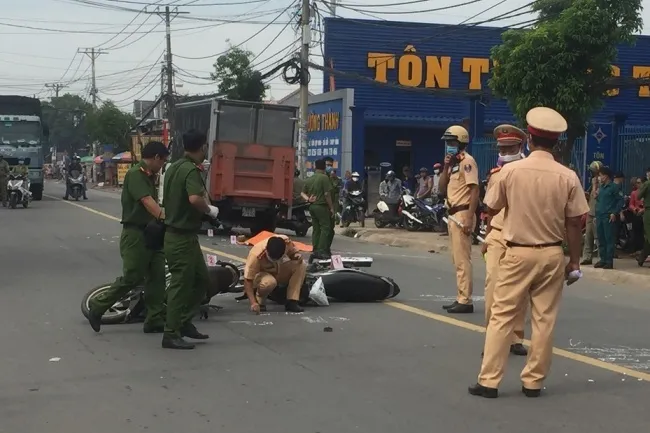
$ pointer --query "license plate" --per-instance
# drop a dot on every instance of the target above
(248, 212)
(307, 213)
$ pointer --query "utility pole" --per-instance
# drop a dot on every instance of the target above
(169, 70)
(93, 54)
(57, 87)
(161, 106)
(304, 85)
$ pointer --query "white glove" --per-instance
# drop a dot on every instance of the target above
(213, 212)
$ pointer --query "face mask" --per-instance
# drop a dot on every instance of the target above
(21, 162)
(504, 159)
(355, 179)
(328, 169)
(436, 171)
(451, 150)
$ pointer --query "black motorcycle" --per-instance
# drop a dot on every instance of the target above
(353, 207)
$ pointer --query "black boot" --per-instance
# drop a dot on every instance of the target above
(190, 331)
(293, 307)
(518, 349)
(461, 309)
(452, 305)
(531, 393)
(95, 320)
(483, 391)
(170, 341)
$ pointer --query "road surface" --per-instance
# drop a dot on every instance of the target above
(396, 367)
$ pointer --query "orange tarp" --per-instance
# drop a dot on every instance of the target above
(265, 235)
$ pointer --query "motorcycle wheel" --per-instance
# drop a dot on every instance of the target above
(25, 204)
(13, 201)
(379, 223)
(362, 218)
(116, 314)
(411, 226)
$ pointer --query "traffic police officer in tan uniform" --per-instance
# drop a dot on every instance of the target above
(459, 180)
(274, 261)
(544, 203)
(509, 142)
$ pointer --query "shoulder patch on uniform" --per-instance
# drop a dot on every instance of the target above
(467, 168)
(495, 169)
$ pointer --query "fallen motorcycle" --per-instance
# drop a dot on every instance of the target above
(349, 284)
(130, 308)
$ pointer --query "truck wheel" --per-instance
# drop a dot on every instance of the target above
(263, 226)
(37, 192)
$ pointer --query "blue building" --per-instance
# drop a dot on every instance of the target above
(404, 127)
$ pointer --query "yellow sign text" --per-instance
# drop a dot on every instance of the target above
(324, 122)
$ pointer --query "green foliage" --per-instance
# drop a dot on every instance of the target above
(564, 61)
(110, 125)
(66, 118)
(236, 77)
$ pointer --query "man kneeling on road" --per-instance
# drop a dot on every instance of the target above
(274, 261)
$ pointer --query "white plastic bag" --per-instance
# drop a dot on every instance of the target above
(318, 295)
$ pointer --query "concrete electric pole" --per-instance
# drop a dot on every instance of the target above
(93, 53)
(304, 85)
(56, 87)
(169, 69)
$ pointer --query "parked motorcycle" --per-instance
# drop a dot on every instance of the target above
(354, 208)
(300, 220)
(419, 215)
(76, 185)
(18, 191)
(384, 217)
(224, 278)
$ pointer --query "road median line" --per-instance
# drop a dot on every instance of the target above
(427, 314)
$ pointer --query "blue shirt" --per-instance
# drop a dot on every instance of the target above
(610, 199)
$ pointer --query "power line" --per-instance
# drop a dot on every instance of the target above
(242, 43)
(438, 9)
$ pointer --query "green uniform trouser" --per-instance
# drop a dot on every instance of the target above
(139, 265)
(322, 227)
(646, 225)
(189, 281)
(606, 238)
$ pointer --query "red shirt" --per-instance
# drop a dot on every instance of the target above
(635, 203)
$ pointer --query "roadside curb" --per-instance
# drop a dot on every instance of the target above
(426, 243)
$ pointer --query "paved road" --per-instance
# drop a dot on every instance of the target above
(385, 368)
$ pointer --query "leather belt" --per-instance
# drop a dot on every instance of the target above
(456, 209)
(552, 244)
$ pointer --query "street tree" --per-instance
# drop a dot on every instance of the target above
(110, 125)
(236, 77)
(66, 118)
(565, 60)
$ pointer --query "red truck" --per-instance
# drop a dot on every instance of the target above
(251, 157)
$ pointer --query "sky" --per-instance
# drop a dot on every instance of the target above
(40, 40)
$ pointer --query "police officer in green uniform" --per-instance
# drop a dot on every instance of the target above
(186, 202)
(318, 192)
(4, 175)
(140, 262)
(643, 193)
(609, 203)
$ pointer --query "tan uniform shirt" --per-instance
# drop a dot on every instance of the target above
(538, 194)
(497, 220)
(463, 175)
(258, 262)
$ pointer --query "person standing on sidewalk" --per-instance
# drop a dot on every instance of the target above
(609, 203)
(644, 194)
(141, 262)
(509, 142)
(544, 204)
(459, 181)
(591, 235)
(318, 192)
(186, 202)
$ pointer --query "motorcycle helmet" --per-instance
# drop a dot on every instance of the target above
(355, 176)
(390, 174)
(595, 166)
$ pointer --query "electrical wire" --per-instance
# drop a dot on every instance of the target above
(438, 9)
(156, 63)
(193, 4)
(245, 41)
